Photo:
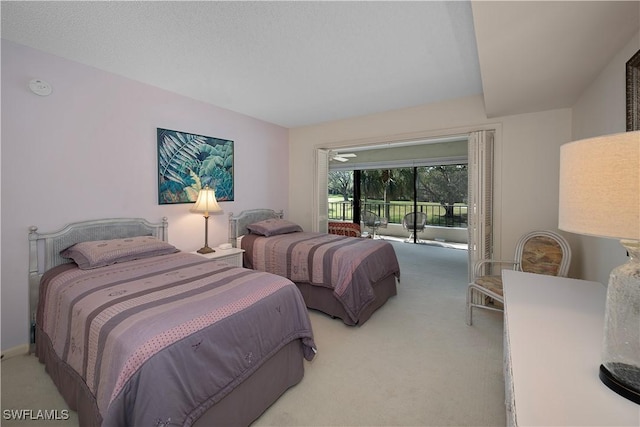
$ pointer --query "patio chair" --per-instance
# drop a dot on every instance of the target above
(419, 219)
(373, 222)
(541, 252)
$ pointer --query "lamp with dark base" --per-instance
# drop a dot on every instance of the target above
(600, 196)
(206, 204)
(206, 249)
(620, 369)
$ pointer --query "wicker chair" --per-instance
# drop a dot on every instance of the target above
(417, 218)
(373, 222)
(541, 252)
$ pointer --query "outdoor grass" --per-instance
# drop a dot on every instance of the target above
(434, 210)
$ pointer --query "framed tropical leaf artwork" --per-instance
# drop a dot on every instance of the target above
(189, 162)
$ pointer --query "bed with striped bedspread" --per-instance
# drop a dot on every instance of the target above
(348, 267)
(162, 339)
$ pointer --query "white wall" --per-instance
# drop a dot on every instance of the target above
(527, 158)
(88, 151)
(601, 110)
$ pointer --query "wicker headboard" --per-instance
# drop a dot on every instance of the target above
(238, 223)
(44, 248)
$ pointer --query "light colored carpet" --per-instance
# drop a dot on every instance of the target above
(414, 363)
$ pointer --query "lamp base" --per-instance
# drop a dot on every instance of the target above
(205, 250)
(614, 384)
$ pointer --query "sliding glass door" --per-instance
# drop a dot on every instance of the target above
(414, 188)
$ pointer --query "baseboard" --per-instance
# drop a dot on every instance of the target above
(20, 350)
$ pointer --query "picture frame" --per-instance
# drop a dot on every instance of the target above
(633, 92)
(188, 162)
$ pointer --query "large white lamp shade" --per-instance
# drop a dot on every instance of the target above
(600, 186)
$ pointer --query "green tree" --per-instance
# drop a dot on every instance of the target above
(371, 184)
(403, 189)
(445, 184)
(341, 182)
(387, 185)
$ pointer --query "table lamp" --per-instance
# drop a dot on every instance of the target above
(206, 204)
(600, 196)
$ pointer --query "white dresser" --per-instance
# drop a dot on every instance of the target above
(553, 341)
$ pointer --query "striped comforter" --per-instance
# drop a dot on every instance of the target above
(347, 265)
(164, 338)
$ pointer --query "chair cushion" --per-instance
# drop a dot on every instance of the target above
(349, 229)
(493, 283)
(541, 255)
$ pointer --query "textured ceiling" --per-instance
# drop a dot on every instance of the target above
(289, 63)
(301, 63)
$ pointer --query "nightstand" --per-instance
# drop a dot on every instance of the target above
(232, 256)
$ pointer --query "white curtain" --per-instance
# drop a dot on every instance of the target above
(480, 210)
(321, 192)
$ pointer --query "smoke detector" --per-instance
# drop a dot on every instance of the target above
(40, 87)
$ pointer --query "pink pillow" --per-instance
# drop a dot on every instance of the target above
(100, 253)
(273, 227)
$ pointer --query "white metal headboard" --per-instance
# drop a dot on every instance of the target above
(238, 223)
(45, 248)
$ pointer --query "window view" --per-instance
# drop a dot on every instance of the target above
(440, 192)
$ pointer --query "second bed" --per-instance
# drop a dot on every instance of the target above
(344, 277)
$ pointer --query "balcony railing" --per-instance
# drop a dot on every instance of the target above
(395, 212)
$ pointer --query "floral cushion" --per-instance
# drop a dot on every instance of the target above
(492, 283)
(542, 255)
(349, 229)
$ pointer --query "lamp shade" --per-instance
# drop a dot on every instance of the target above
(600, 186)
(206, 202)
